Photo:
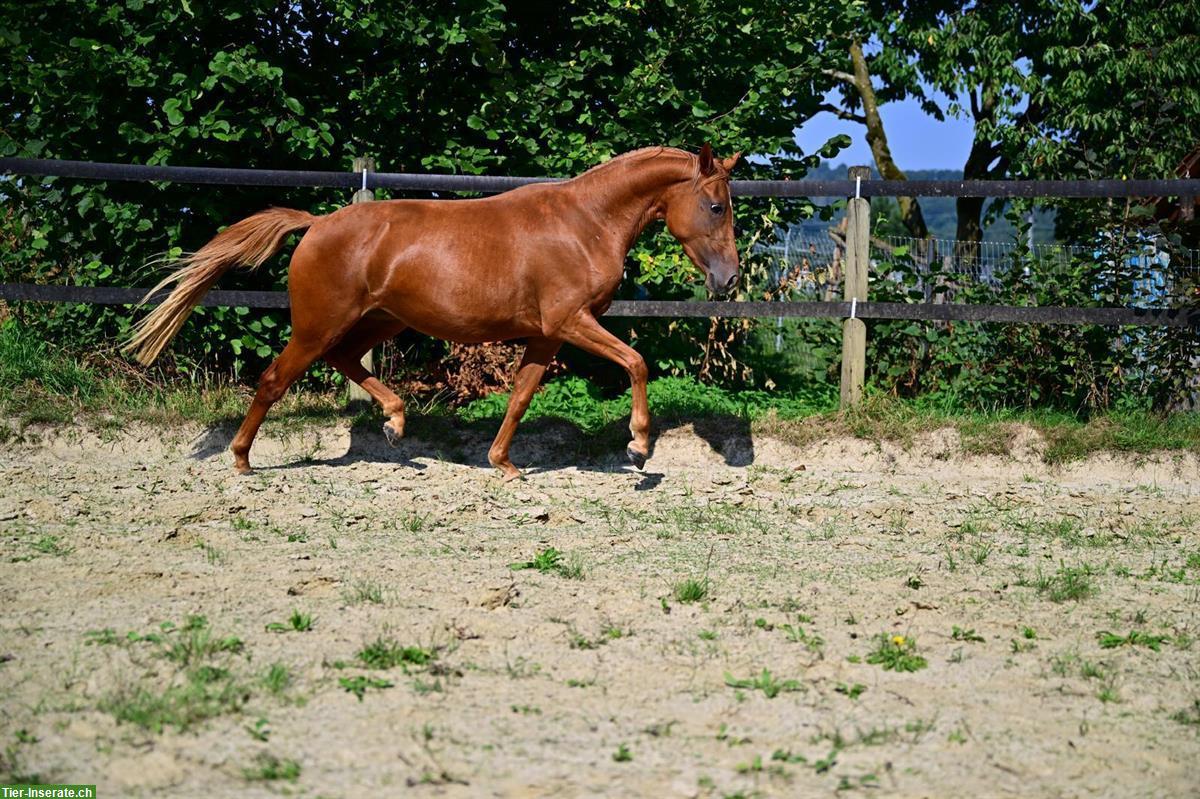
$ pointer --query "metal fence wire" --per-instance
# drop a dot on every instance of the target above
(1140, 271)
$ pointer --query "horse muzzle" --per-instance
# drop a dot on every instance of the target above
(721, 278)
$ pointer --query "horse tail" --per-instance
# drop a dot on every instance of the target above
(249, 242)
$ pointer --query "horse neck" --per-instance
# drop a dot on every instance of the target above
(628, 195)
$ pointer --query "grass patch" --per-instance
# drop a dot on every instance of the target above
(43, 384)
(1072, 583)
(689, 590)
(268, 768)
(364, 591)
(386, 653)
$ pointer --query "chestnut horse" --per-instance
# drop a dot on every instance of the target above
(538, 263)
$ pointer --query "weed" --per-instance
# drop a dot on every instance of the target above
(297, 622)
(1188, 715)
(622, 755)
(386, 653)
(1135, 638)
(1068, 583)
(979, 553)
(267, 768)
(852, 691)
(196, 643)
(959, 634)
(796, 634)
(364, 591)
(414, 522)
(359, 684)
(522, 668)
(203, 694)
(550, 561)
(105, 637)
(707, 635)
(261, 731)
(896, 653)
(50, 545)
(277, 678)
(211, 553)
(765, 682)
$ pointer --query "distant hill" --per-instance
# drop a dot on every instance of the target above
(940, 214)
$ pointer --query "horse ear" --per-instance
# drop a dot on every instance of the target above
(728, 163)
(706, 159)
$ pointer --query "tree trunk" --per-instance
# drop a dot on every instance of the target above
(970, 228)
(910, 209)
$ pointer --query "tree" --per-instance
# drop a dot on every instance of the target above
(471, 86)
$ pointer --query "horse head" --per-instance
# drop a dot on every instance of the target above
(699, 215)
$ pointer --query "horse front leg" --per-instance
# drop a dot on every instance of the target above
(586, 333)
(539, 352)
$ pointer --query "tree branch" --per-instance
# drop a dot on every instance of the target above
(842, 114)
(844, 77)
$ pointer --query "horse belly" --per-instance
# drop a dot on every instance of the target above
(467, 311)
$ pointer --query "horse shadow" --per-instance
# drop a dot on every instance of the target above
(545, 444)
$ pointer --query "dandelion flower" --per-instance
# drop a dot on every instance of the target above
(898, 640)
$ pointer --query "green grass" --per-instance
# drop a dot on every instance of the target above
(42, 384)
(689, 590)
(1068, 583)
(206, 692)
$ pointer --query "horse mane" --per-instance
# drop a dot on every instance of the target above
(660, 150)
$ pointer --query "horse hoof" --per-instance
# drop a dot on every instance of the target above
(393, 438)
(635, 457)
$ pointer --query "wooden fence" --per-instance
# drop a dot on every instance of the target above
(855, 308)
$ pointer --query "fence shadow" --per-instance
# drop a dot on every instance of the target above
(541, 445)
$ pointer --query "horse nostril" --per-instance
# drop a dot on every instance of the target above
(729, 283)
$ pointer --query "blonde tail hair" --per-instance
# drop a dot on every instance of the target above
(249, 242)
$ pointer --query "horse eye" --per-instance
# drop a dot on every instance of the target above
(717, 208)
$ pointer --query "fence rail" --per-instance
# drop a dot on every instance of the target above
(857, 245)
(484, 183)
(1047, 315)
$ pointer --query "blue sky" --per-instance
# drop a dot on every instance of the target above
(917, 140)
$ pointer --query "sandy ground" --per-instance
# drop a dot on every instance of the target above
(594, 677)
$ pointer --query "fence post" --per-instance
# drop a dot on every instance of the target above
(363, 166)
(854, 330)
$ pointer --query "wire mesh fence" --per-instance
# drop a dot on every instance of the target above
(1138, 270)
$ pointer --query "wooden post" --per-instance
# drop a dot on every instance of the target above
(363, 195)
(854, 331)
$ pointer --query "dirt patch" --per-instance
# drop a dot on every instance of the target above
(354, 617)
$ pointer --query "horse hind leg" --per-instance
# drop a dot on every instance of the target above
(296, 357)
(346, 357)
